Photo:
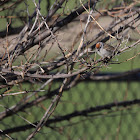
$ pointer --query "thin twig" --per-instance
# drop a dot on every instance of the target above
(44, 118)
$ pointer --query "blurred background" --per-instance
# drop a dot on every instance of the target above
(102, 109)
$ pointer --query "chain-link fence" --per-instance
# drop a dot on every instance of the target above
(104, 110)
(51, 56)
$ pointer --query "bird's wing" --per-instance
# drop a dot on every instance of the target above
(109, 48)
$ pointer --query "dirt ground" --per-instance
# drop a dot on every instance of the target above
(68, 36)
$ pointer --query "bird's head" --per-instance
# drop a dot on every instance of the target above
(99, 45)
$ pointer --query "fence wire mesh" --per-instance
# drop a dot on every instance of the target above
(56, 40)
(90, 110)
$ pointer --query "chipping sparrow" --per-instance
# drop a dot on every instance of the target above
(105, 50)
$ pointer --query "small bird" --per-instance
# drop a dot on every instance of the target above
(105, 50)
